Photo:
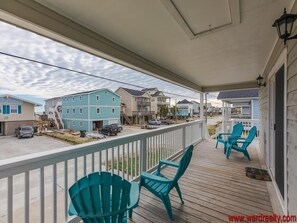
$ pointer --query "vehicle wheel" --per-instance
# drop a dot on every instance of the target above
(32, 136)
(116, 133)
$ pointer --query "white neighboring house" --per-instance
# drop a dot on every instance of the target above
(196, 108)
(53, 110)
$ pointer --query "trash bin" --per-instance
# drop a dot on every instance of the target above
(82, 133)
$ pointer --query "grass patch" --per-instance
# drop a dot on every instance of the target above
(71, 139)
(211, 129)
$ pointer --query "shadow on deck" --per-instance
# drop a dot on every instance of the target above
(213, 188)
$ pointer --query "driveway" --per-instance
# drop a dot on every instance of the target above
(11, 146)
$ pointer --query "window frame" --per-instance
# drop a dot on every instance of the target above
(73, 110)
(11, 108)
(97, 111)
(97, 97)
(80, 111)
(113, 110)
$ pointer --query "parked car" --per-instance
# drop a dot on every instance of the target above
(24, 131)
(169, 122)
(110, 130)
(154, 121)
(120, 127)
(163, 120)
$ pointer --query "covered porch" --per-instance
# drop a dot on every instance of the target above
(213, 189)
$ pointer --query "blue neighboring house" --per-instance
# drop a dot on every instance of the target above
(245, 103)
(90, 110)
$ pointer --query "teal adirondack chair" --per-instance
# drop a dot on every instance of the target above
(160, 185)
(244, 144)
(236, 133)
(102, 197)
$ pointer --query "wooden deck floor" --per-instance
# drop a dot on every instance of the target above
(212, 188)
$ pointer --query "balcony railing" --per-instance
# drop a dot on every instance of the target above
(163, 102)
(247, 125)
(34, 188)
(139, 113)
(143, 103)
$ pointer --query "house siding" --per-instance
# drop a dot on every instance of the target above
(291, 116)
(88, 103)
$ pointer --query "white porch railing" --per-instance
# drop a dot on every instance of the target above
(247, 125)
(34, 188)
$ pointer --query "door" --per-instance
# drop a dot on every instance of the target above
(276, 128)
(271, 124)
(279, 129)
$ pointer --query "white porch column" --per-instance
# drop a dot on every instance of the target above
(223, 117)
(202, 114)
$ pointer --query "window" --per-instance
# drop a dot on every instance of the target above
(112, 110)
(80, 124)
(67, 111)
(67, 99)
(73, 123)
(80, 111)
(97, 97)
(113, 98)
(98, 110)
(80, 98)
(13, 109)
(73, 110)
(73, 99)
(0, 109)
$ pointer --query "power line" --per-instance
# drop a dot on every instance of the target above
(84, 73)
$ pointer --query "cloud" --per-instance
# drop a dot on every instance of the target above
(27, 78)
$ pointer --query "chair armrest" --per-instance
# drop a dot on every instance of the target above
(169, 163)
(152, 177)
(224, 134)
(238, 141)
(134, 195)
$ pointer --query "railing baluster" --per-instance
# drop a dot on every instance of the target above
(75, 169)
(128, 161)
(100, 161)
(118, 163)
(106, 160)
(137, 161)
(85, 164)
(66, 189)
(27, 197)
(10, 199)
(112, 160)
(41, 195)
(93, 162)
(55, 193)
(123, 166)
(132, 161)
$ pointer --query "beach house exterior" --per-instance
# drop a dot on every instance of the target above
(53, 110)
(185, 108)
(15, 112)
(90, 110)
(138, 104)
(158, 98)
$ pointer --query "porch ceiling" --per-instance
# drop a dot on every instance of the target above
(203, 45)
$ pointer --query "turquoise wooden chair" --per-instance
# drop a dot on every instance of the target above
(244, 144)
(236, 133)
(102, 198)
(160, 185)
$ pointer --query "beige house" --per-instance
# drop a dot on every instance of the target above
(15, 112)
(158, 98)
(138, 106)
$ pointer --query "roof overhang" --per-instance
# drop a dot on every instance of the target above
(150, 37)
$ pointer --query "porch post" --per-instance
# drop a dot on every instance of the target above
(202, 115)
(223, 117)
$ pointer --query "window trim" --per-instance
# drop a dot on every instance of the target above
(80, 111)
(80, 98)
(73, 110)
(97, 97)
(67, 111)
(80, 124)
(113, 110)
(113, 99)
(1, 106)
(73, 99)
(97, 111)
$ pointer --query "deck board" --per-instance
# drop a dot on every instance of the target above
(212, 188)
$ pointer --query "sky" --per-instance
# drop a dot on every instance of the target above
(38, 82)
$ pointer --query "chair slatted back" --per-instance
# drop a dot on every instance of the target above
(236, 132)
(101, 197)
(250, 138)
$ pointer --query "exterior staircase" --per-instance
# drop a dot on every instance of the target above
(57, 117)
(128, 120)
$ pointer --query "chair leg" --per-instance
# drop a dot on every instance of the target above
(217, 144)
(228, 152)
(179, 193)
(247, 155)
(167, 203)
(130, 213)
(225, 148)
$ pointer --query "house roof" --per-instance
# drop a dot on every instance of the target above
(150, 89)
(238, 94)
(87, 92)
(195, 102)
(21, 99)
(134, 92)
(185, 101)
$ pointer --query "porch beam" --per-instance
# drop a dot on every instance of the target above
(239, 86)
(37, 18)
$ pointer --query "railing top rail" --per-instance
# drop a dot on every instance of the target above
(244, 120)
(16, 165)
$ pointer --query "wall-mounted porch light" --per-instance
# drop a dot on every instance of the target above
(284, 26)
(260, 81)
